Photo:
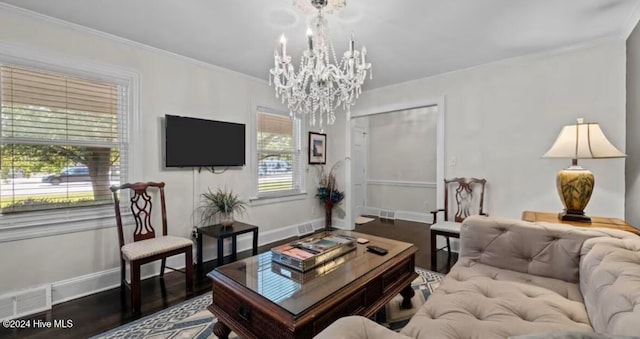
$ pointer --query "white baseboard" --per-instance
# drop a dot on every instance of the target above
(81, 286)
(402, 215)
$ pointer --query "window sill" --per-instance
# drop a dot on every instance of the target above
(266, 200)
(43, 224)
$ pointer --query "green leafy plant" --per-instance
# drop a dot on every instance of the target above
(219, 202)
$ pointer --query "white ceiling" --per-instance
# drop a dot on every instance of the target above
(405, 39)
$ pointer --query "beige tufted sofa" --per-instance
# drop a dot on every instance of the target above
(518, 278)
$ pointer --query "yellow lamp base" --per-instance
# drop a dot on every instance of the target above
(575, 186)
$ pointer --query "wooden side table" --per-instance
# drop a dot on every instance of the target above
(219, 232)
(601, 222)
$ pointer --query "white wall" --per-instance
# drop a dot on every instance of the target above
(168, 85)
(500, 118)
(632, 170)
(402, 160)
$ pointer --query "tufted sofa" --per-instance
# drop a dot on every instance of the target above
(518, 278)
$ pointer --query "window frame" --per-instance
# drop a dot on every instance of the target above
(258, 199)
(68, 220)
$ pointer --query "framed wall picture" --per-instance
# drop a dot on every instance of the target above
(317, 148)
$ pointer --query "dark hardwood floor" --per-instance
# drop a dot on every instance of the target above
(103, 311)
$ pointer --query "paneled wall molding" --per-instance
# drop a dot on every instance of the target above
(78, 287)
(402, 183)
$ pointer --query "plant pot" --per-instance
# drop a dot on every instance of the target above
(226, 219)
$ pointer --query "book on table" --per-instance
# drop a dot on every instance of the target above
(307, 253)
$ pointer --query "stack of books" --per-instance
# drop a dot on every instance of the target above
(310, 252)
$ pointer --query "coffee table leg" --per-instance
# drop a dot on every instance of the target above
(407, 293)
(221, 330)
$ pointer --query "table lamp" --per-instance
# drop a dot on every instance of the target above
(575, 184)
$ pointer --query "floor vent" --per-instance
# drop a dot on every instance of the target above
(387, 214)
(304, 229)
(25, 302)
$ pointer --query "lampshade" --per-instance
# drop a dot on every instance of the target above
(575, 184)
(582, 141)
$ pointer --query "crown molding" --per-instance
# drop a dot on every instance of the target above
(124, 41)
(525, 57)
(632, 22)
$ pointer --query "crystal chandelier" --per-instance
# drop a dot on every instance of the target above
(319, 86)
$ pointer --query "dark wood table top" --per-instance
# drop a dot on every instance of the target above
(295, 291)
(600, 222)
(218, 230)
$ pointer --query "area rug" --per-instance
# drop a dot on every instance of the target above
(191, 319)
(363, 220)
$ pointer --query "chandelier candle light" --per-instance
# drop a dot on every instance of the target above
(319, 86)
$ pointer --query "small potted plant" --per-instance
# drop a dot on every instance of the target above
(222, 205)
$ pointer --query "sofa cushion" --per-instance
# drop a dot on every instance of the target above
(357, 327)
(479, 301)
(610, 284)
(543, 249)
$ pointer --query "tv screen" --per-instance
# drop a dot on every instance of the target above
(192, 142)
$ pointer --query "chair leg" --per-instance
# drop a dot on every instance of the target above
(162, 266)
(123, 268)
(189, 269)
(434, 250)
(448, 253)
(135, 287)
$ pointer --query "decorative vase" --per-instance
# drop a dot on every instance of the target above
(328, 209)
(226, 219)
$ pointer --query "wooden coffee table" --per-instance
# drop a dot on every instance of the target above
(257, 298)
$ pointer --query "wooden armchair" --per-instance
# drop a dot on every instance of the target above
(462, 197)
(147, 246)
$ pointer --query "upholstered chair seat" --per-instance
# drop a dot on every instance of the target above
(150, 247)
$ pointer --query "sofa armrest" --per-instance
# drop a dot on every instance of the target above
(357, 327)
(548, 250)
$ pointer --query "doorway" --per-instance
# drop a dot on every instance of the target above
(397, 161)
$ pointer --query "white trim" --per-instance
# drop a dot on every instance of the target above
(426, 218)
(258, 199)
(53, 222)
(632, 21)
(520, 58)
(118, 39)
(402, 183)
(267, 200)
(41, 225)
(81, 286)
(440, 103)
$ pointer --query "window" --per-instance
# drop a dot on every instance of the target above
(279, 169)
(62, 139)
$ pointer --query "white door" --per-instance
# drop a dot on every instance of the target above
(359, 171)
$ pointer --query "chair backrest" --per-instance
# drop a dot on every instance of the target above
(141, 207)
(463, 197)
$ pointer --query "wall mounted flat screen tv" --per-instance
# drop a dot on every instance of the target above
(192, 142)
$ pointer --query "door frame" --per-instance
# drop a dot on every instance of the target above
(398, 106)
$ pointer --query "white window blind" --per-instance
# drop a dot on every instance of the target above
(62, 138)
(278, 154)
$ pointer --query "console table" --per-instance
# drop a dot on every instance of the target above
(222, 232)
(601, 222)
